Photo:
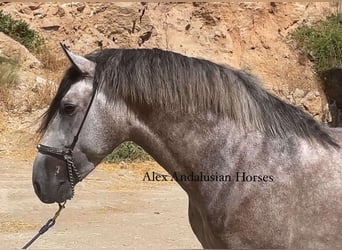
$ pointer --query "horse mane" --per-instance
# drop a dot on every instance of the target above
(172, 81)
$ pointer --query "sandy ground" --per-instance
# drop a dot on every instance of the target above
(113, 208)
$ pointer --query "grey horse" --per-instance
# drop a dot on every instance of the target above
(259, 173)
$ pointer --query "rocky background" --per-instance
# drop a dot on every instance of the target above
(253, 36)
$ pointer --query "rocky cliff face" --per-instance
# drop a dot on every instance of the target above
(252, 36)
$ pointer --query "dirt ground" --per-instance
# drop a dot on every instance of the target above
(113, 208)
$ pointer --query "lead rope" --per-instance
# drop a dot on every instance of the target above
(47, 226)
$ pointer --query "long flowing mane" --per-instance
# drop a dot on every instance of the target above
(172, 81)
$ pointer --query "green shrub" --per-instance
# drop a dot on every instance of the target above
(128, 152)
(322, 42)
(19, 30)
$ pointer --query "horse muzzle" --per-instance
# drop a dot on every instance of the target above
(50, 179)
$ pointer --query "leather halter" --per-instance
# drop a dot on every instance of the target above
(66, 153)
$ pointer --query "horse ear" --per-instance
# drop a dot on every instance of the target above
(85, 66)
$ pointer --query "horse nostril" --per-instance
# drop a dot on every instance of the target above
(36, 187)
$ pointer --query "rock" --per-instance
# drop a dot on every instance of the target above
(40, 80)
(298, 95)
(238, 34)
(291, 99)
(26, 11)
(144, 37)
(12, 49)
(312, 103)
(327, 116)
(251, 5)
(60, 11)
(197, 4)
(81, 8)
(35, 6)
(218, 34)
(51, 28)
(264, 43)
(39, 15)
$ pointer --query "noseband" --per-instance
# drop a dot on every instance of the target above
(66, 153)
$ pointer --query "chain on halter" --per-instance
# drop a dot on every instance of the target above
(71, 171)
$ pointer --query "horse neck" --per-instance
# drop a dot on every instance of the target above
(186, 143)
(211, 144)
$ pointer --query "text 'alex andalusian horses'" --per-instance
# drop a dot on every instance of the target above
(259, 172)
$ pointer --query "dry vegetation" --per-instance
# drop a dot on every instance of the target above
(50, 61)
(8, 77)
(41, 96)
(3, 122)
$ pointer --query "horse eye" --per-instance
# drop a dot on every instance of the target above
(68, 109)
